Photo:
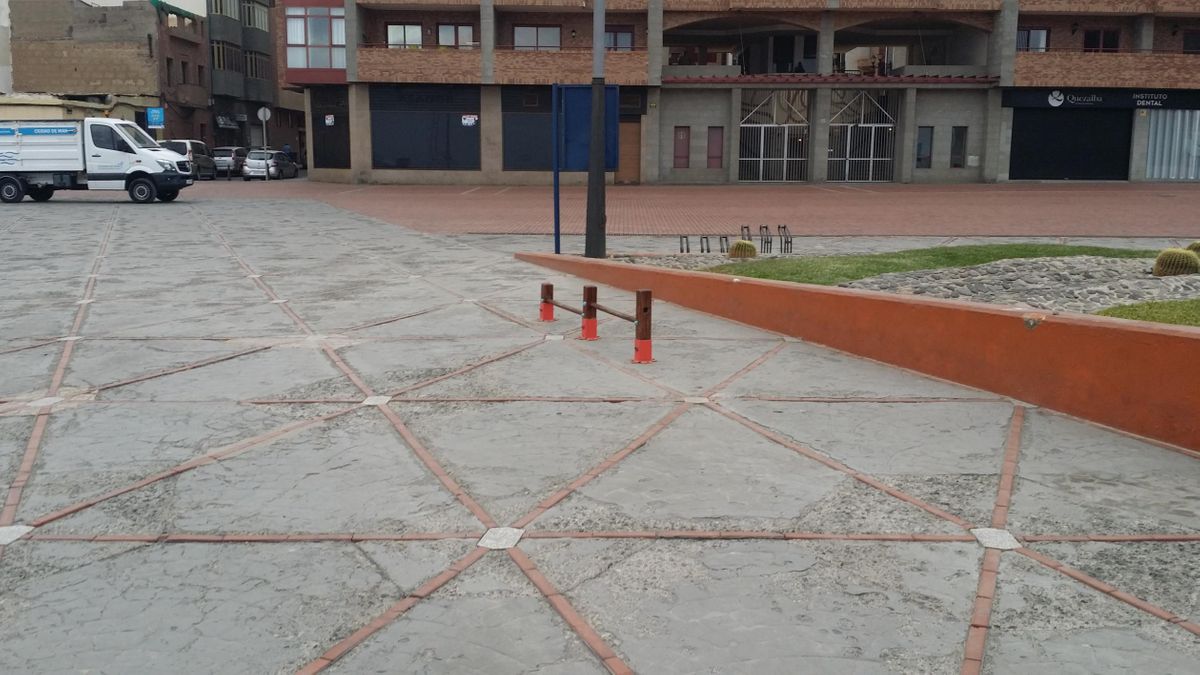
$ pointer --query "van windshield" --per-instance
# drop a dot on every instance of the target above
(139, 138)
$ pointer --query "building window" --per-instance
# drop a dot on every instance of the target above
(958, 148)
(170, 71)
(255, 15)
(925, 147)
(404, 36)
(536, 38)
(316, 37)
(183, 72)
(258, 66)
(200, 75)
(683, 147)
(619, 38)
(716, 147)
(1191, 42)
(227, 8)
(105, 138)
(1101, 40)
(1033, 39)
(226, 56)
(456, 36)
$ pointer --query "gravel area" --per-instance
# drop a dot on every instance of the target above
(1075, 284)
(687, 261)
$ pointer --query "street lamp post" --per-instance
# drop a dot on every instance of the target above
(597, 218)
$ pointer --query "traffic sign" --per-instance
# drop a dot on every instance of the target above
(156, 118)
(264, 114)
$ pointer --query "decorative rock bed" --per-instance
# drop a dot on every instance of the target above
(1074, 284)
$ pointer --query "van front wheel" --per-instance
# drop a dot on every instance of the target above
(142, 191)
(11, 190)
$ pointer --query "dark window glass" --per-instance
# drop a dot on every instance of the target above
(104, 138)
(925, 148)
(1033, 39)
(958, 148)
(716, 147)
(1101, 40)
(1191, 42)
(683, 147)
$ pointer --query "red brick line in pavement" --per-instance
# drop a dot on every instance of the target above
(1008, 470)
(179, 369)
(250, 538)
(203, 460)
(622, 368)
(1111, 591)
(16, 488)
(838, 466)
(392, 613)
(747, 534)
(466, 369)
(981, 614)
(745, 370)
(1114, 538)
(35, 345)
(569, 614)
(593, 473)
(394, 319)
(426, 457)
(509, 317)
(529, 399)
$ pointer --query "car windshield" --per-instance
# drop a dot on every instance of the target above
(139, 138)
(259, 154)
(176, 146)
(223, 152)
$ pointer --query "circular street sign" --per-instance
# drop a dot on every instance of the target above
(264, 114)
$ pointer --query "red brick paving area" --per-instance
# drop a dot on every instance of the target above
(1012, 209)
(975, 630)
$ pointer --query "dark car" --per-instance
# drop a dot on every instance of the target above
(203, 165)
(230, 159)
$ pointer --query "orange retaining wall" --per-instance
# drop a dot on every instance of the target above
(1139, 377)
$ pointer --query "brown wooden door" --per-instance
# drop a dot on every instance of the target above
(629, 165)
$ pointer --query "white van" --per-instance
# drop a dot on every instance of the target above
(38, 158)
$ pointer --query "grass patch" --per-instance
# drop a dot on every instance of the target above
(1178, 312)
(836, 269)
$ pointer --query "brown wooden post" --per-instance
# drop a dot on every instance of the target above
(643, 351)
(546, 310)
(589, 314)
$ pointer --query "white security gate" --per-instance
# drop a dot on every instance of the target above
(862, 136)
(773, 141)
(1174, 152)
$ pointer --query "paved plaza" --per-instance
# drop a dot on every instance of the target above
(294, 438)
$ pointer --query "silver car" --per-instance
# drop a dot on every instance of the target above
(230, 159)
(258, 162)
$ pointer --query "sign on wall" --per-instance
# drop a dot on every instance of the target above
(156, 118)
(470, 120)
(329, 120)
(1076, 99)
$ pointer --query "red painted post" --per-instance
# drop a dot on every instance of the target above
(643, 350)
(546, 310)
(589, 314)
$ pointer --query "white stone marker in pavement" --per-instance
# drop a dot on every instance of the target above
(501, 538)
(990, 537)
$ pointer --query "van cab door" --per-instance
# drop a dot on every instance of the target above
(109, 157)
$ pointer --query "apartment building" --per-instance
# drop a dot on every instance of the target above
(116, 56)
(746, 91)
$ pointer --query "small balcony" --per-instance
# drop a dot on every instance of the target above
(568, 66)
(380, 63)
(1142, 70)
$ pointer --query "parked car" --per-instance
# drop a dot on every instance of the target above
(258, 161)
(203, 165)
(230, 159)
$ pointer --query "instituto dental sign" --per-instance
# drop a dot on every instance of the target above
(1075, 99)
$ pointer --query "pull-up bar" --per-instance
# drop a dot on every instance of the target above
(643, 351)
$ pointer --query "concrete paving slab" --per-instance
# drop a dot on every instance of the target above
(803, 369)
(705, 472)
(179, 288)
(949, 454)
(27, 373)
(303, 373)
(389, 365)
(129, 318)
(93, 448)
(549, 369)
(189, 608)
(1044, 622)
(692, 366)
(14, 437)
(1077, 478)
(510, 456)
(23, 319)
(770, 606)
(460, 320)
(352, 474)
(100, 362)
(489, 620)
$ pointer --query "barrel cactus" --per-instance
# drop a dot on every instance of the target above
(743, 249)
(1176, 261)
(1194, 247)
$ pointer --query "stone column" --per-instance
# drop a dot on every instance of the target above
(361, 163)
(491, 135)
(733, 133)
(353, 39)
(1002, 46)
(907, 138)
(651, 136)
(825, 42)
(487, 40)
(1139, 151)
(654, 42)
(998, 132)
(818, 139)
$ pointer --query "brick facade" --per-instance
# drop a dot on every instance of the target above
(1132, 70)
(451, 66)
(573, 67)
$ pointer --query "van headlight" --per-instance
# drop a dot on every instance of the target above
(166, 166)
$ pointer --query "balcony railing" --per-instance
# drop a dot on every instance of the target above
(568, 66)
(1128, 69)
(381, 63)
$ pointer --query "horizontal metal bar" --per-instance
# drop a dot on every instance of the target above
(566, 307)
(620, 315)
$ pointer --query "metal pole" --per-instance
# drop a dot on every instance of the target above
(555, 100)
(267, 171)
(594, 245)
